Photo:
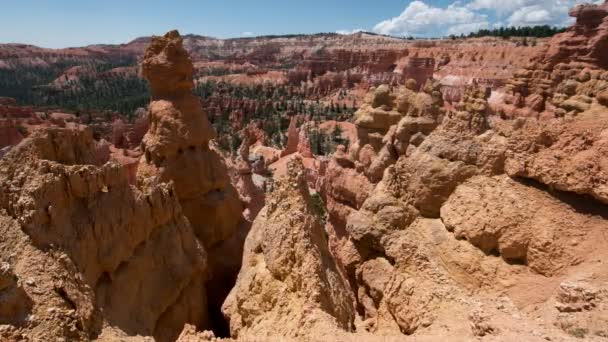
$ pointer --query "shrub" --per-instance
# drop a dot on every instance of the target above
(578, 332)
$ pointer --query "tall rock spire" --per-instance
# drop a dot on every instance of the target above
(176, 149)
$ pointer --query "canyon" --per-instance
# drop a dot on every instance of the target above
(309, 188)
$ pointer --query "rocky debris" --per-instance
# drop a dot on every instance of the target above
(289, 284)
(189, 334)
(576, 297)
(15, 305)
(480, 325)
(4, 151)
(58, 202)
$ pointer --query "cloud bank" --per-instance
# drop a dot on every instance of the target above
(423, 19)
(345, 32)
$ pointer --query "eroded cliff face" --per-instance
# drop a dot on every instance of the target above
(289, 284)
(457, 220)
(569, 76)
(88, 252)
(473, 201)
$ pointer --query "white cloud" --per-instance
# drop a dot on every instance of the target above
(346, 32)
(247, 34)
(529, 12)
(499, 6)
(420, 19)
(530, 15)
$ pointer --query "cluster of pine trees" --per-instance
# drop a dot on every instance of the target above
(541, 31)
(95, 90)
(113, 92)
(273, 105)
(323, 143)
(20, 82)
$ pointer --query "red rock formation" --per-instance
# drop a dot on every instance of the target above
(380, 60)
(293, 138)
(420, 70)
(569, 74)
(249, 180)
(7, 101)
(9, 134)
(10, 109)
(177, 145)
(289, 284)
(129, 134)
(304, 142)
(440, 219)
(86, 270)
(176, 149)
(585, 42)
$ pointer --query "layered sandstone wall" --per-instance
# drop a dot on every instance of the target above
(569, 76)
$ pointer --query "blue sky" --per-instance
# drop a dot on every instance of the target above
(63, 23)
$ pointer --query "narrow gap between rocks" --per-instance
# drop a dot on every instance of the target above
(218, 289)
(584, 204)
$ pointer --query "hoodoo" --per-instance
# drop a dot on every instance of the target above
(324, 187)
(176, 149)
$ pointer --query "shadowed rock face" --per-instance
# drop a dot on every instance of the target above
(9, 135)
